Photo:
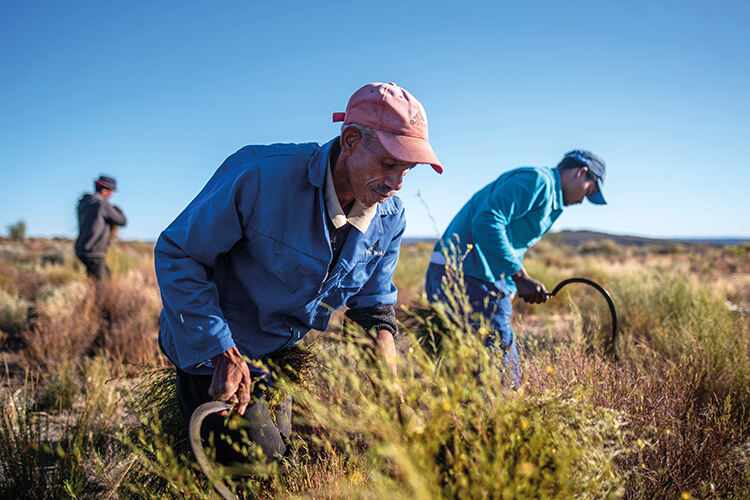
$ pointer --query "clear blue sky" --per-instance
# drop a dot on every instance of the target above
(158, 93)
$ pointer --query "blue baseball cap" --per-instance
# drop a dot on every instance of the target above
(596, 166)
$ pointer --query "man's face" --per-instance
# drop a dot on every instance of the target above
(106, 193)
(578, 184)
(372, 174)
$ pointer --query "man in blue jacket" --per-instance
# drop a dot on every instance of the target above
(281, 236)
(492, 232)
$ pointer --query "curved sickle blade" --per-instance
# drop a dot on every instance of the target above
(194, 431)
(610, 349)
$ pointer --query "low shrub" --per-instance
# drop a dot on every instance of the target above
(59, 275)
(129, 308)
(67, 324)
(683, 321)
(59, 388)
(39, 459)
(13, 313)
(681, 443)
(605, 247)
(17, 231)
(478, 441)
(123, 258)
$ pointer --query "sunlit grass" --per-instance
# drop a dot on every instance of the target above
(669, 419)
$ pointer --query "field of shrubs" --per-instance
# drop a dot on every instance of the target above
(86, 409)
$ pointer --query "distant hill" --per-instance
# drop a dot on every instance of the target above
(576, 238)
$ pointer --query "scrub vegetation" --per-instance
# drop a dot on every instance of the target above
(87, 411)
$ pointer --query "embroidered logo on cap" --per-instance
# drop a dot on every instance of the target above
(418, 119)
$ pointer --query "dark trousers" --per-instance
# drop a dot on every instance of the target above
(192, 391)
(497, 310)
(96, 267)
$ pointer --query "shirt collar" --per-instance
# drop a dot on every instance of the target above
(557, 200)
(359, 216)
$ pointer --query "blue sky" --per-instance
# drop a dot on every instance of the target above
(158, 93)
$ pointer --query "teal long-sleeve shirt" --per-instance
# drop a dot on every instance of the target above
(502, 221)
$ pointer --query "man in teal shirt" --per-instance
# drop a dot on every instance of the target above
(494, 229)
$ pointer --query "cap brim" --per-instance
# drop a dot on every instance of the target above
(409, 149)
(105, 185)
(597, 198)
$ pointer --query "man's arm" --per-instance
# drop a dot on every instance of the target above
(114, 215)
(184, 256)
(387, 348)
(512, 200)
(373, 306)
(383, 320)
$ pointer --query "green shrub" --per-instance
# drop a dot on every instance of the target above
(479, 439)
(17, 231)
(123, 258)
(13, 313)
(158, 448)
(685, 322)
(58, 275)
(738, 250)
(60, 388)
(39, 458)
(605, 247)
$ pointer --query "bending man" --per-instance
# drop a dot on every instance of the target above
(280, 237)
(496, 227)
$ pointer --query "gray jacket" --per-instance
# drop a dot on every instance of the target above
(95, 218)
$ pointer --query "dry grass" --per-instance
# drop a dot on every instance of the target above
(66, 326)
(671, 418)
(13, 313)
(73, 318)
(129, 306)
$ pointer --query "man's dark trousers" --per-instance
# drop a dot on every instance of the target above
(192, 391)
(96, 267)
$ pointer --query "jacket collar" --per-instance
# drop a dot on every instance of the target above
(316, 167)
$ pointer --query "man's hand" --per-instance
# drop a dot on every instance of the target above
(231, 380)
(529, 289)
(406, 414)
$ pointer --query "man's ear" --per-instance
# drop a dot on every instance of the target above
(582, 171)
(349, 138)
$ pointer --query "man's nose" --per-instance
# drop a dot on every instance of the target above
(395, 181)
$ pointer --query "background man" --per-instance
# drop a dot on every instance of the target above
(496, 227)
(96, 220)
(280, 237)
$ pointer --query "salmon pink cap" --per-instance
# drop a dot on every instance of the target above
(398, 119)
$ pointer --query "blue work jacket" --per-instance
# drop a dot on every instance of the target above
(502, 221)
(246, 263)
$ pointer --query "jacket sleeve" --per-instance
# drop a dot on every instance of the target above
(114, 216)
(184, 257)
(509, 201)
(378, 317)
(379, 290)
